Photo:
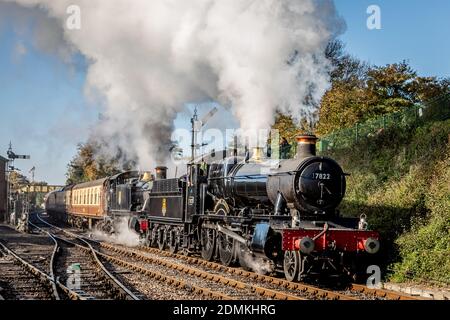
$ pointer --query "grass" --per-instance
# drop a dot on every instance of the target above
(400, 179)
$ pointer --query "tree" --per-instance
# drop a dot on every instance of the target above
(359, 93)
(346, 101)
(341, 107)
(286, 127)
(346, 69)
(17, 180)
(89, 164)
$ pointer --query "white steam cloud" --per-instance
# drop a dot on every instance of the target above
(149, 58)
(123, 234)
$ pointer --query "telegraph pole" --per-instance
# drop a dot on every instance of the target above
(195, 130)
(197, 126)
(32, 171)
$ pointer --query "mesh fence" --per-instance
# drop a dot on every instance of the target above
(432, 110)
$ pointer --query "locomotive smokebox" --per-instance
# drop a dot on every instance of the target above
(161, 173)
(306, 146)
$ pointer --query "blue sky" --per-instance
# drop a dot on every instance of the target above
(413, 30)
(45, 114)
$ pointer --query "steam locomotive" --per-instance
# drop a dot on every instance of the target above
(237, 210)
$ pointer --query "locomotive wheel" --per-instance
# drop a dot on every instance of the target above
(227, 250)
(161, 238)
(208, 242)
(291, 265)
(172, 240)
(109, 228)
(154, 237)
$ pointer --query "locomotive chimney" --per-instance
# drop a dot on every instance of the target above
(306, 146)
(161, 173)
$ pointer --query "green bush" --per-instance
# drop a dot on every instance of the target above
(425, 250)
(400, 180)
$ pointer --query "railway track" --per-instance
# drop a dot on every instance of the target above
(220, 275)
(352, 292)
(77, 270)
(143, 278)
(211, 280)
(381, 293)
(193, 280)
(20, 280)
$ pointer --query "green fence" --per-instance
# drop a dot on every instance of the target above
(432, 110)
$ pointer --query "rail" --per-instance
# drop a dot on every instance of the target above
(88, 247)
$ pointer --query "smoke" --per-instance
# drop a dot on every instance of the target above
(256, 264)
(122, 234)
(147, 59)
(48, 35)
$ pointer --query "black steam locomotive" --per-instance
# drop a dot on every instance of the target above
(249, 209)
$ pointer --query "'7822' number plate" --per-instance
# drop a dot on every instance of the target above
(321, 176)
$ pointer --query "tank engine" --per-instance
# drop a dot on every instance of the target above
(238, 209)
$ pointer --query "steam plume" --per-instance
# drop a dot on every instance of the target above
(149, 58)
